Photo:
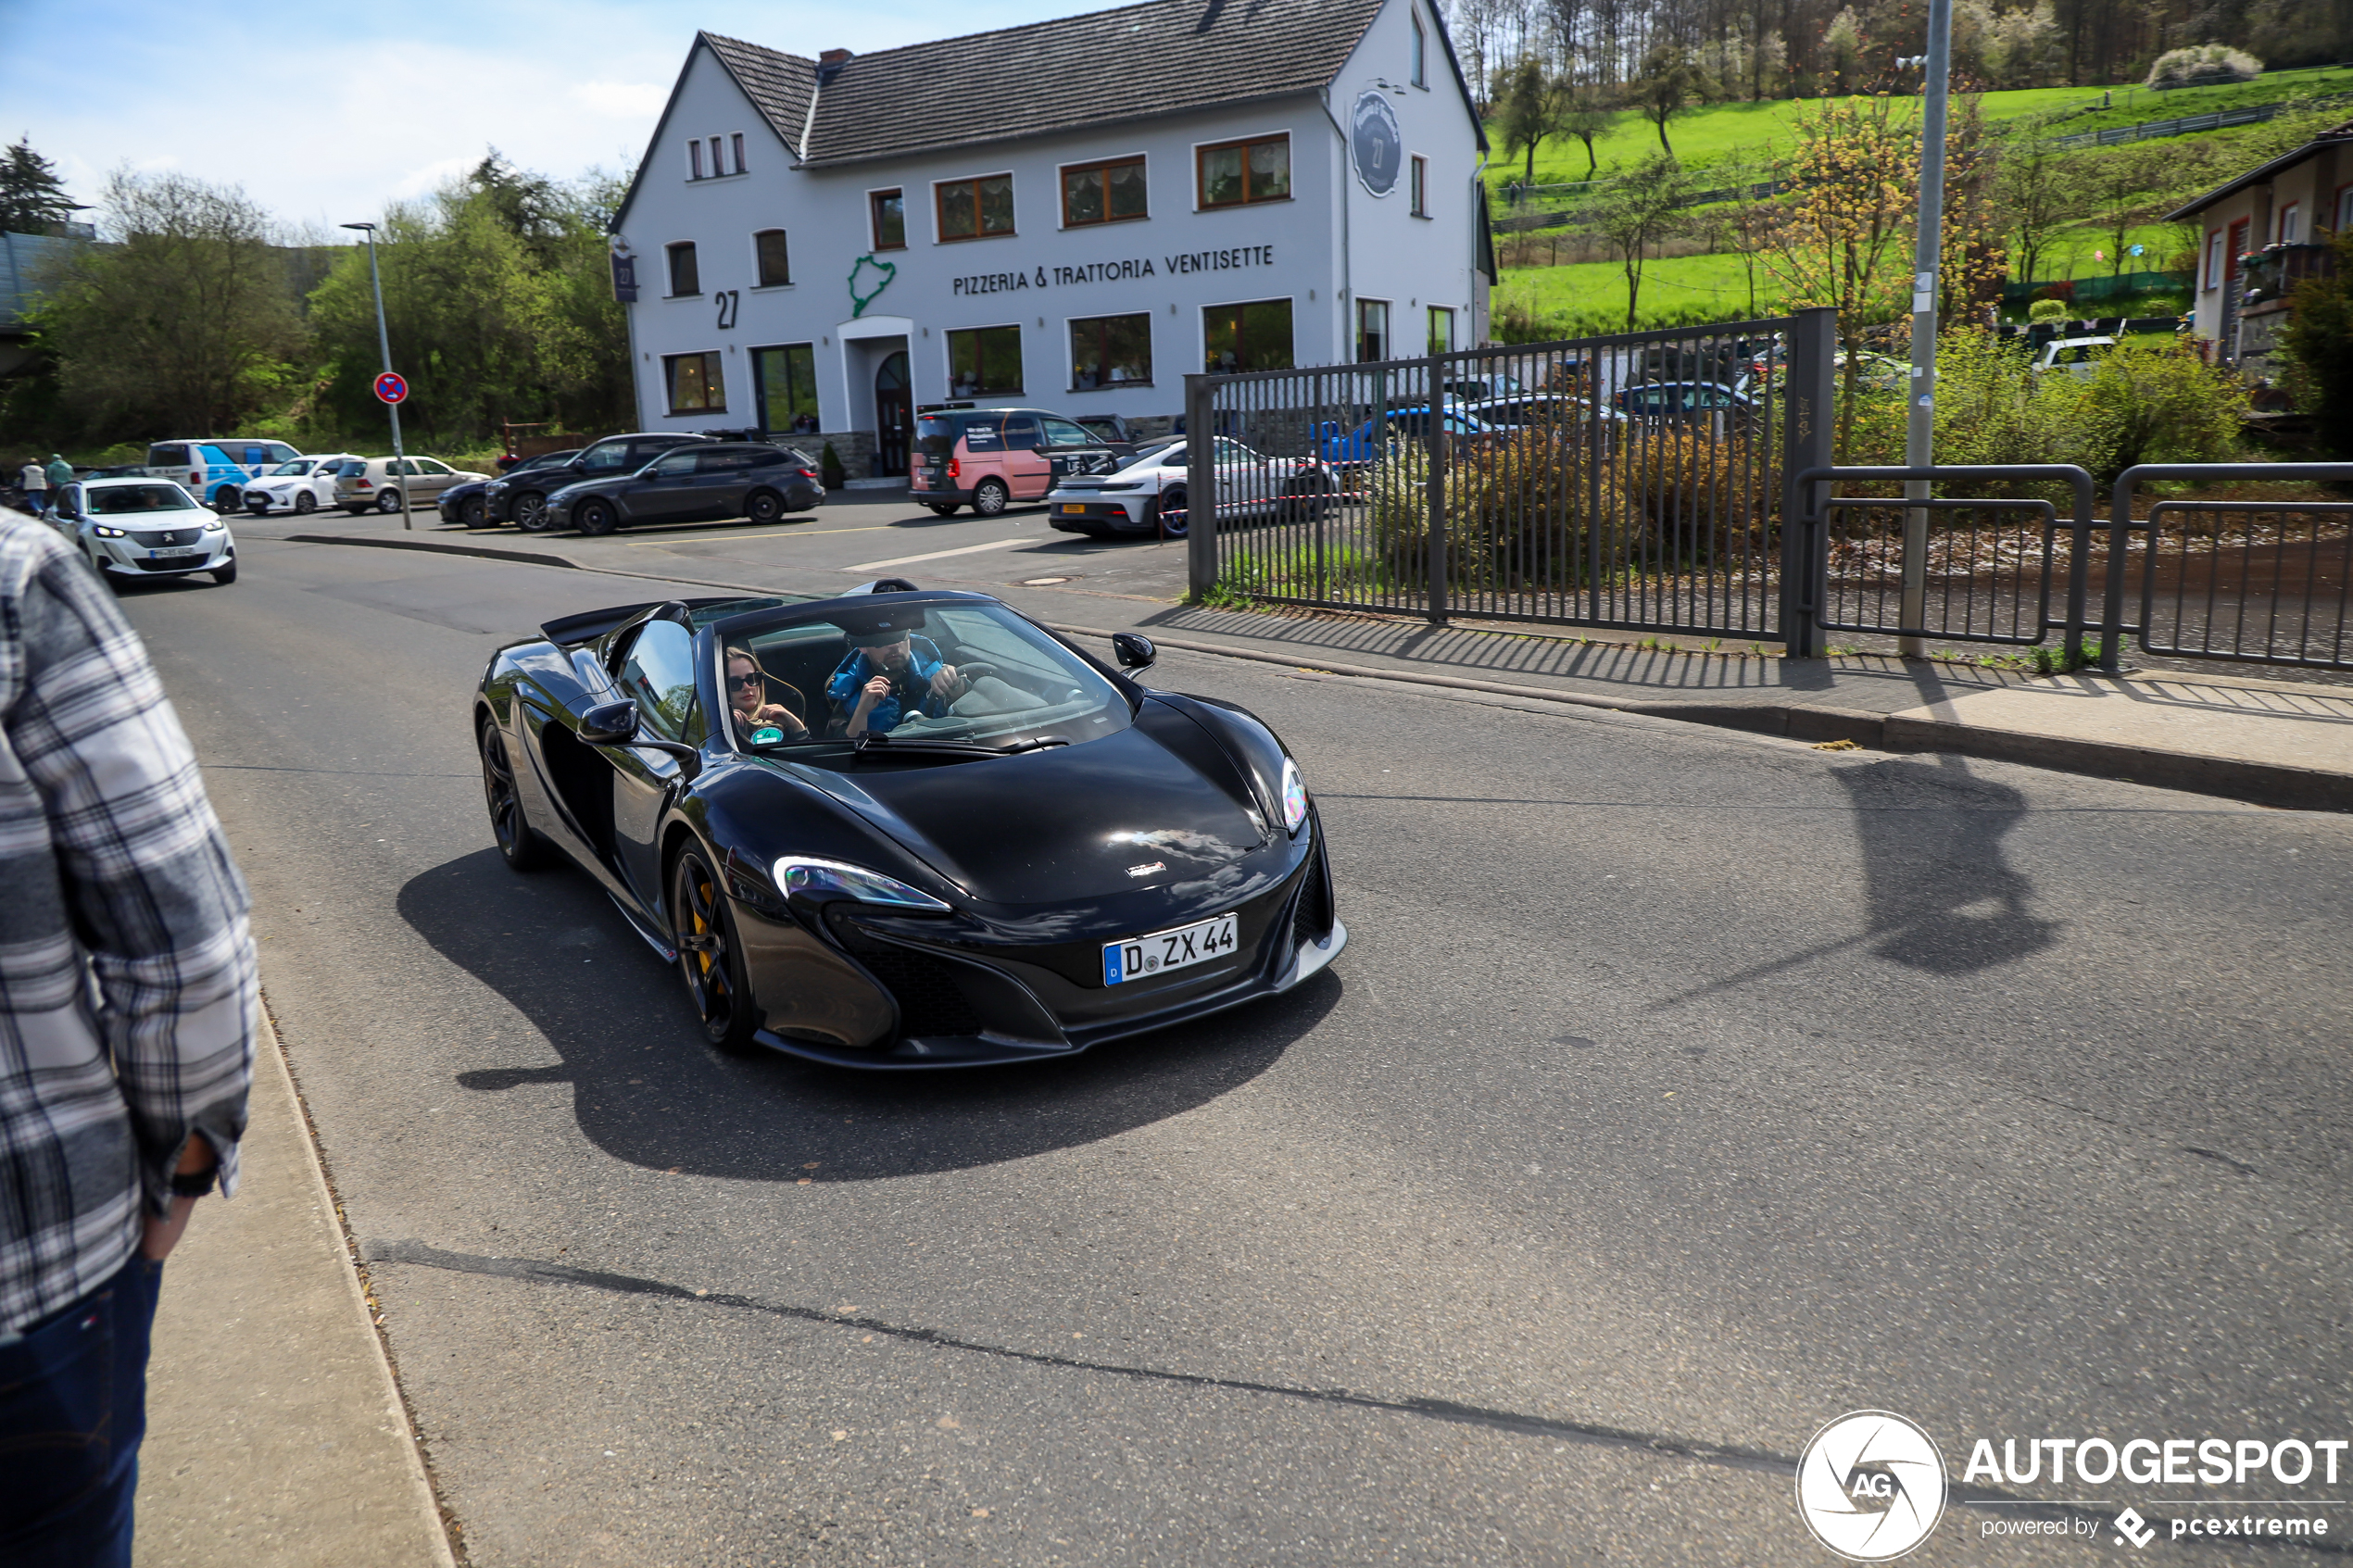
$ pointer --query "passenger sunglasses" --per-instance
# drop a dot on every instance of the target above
(743, 679)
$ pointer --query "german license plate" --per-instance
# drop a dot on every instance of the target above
(1164, 950)
(1075, 509)
(169, 555)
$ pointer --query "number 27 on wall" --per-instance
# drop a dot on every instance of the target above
(728, 299)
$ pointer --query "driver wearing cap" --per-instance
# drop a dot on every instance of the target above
(890, 675)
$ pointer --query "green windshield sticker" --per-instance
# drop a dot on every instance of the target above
(767, 735)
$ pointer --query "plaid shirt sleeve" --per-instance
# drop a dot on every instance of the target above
(128, 984)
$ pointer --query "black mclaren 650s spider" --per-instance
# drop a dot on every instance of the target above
(907, 829)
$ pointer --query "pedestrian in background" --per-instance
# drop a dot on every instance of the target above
(127, 1008)
(34, 483)
(60, 474)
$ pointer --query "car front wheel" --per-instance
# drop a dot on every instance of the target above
(519, 845)
(763, 506)
(225, 573)
(703, 930)
(990, 499)
(530, 513)
(473, 513)
(305, 501)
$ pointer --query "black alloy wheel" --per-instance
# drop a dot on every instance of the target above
(225, 573)
(530, 513)
(593, 516)
(387, 500)
(305, 501)
(763, 506)
(519, 845)
(703, 930)
(475, 512)
(943, 509)
(990, 499)
(1171, 500)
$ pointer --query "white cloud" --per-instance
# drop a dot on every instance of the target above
(622, 100)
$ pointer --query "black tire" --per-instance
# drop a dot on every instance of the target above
(710, 958)
(305, 501)
(226, 501)
(387, 500)
(519, 844)
(763, 506)
(1172, 500)
(944, 508)
(592, 516)
(225, 573)
(990, 499)
(355, 511)
(475, 512)
(530, 513)
(1306, 503)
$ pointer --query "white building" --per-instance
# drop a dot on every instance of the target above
(1069, 215)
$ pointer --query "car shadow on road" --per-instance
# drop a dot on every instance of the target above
(646, 1089)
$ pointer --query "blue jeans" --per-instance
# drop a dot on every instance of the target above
(73, 1406)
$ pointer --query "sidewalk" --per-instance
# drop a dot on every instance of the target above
(275, 1439)
(2272, 743)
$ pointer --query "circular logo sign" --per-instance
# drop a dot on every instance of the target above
(391, 387)
(1374, 144)
(1870, 1485)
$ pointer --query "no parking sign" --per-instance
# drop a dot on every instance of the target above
(391, 387)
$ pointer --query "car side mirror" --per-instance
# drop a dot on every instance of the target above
(1134, 650)
(645, 472)
(609, 724)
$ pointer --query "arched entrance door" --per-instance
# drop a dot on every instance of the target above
(894, 416)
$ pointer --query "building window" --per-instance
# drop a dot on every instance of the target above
(2291, 220)
(1104, 193)
(718, 160)
(784, 388)
(694, 159)
(735, 145)
(1110, 351)
(2214, 258)
(2345, 210)
(890, 219)
(1236, 173)
(774, 258)
(684, 279)
(1372, 330)
(1255, 336)
(985, 363)
(697, 383)
(1421, 53)
(973, 210)
(1442, 330)
(1420, 187)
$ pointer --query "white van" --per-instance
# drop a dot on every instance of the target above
(2076, 355)
(214, 468)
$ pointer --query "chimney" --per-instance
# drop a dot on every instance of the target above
(829, 65)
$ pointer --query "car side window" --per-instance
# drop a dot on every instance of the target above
(605, 459)
(983, 434)
(767, 459)
(722, 462)
(428, 465)
(1067, 432)
(660, 674)
(1022, 434)
(674, 465)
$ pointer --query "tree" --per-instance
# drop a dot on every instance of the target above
(1972, 259)
(2118, 186)
(186, 322)
(32, 196)
(2038, 193)
(2317, 344)
(1637, 212)
(1527, 110)
(1846, 235)
(1583, 115)
(1671, 78)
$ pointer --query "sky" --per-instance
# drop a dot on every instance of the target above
(324, 111)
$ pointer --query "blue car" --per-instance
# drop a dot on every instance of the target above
(1368, 442)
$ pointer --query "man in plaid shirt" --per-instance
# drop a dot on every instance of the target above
(128, 1007)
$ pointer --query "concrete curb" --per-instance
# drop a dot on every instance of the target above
(2260, 784)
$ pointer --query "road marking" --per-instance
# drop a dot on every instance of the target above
(938, 555)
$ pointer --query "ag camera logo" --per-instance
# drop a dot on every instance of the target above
(1871, 1485)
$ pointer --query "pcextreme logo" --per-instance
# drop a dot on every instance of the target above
(1870, 1485)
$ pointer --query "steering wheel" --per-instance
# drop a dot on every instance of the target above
(971, 673)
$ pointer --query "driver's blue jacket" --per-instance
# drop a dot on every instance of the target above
(913, 682)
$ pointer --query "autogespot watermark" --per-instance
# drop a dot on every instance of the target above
(1871, 1485)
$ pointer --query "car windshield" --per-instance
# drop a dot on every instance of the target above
(966, 674)
(299, 466)
(107, 499)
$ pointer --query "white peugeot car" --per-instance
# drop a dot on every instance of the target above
(140, 527)
(301, 484)
(1147, 494)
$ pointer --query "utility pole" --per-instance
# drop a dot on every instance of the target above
(1919, 425)
(383, 340)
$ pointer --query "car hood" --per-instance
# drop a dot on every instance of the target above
(1078, 821)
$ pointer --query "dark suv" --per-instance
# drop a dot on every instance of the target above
(716, 480)
(521, 497)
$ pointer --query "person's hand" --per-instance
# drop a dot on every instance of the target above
(157, 1237)
(872, 692)
(947, 685)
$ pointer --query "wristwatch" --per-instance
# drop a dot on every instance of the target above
(195, 1183)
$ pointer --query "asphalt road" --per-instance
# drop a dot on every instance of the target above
(1678, 1091)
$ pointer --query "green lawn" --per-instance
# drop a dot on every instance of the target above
(1708, 136)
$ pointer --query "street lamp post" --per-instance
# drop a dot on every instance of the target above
(1919, 425)
(383, 340)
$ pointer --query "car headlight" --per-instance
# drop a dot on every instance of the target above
(1294, 796)
(838, 879)
(107, 530)
(214, 525)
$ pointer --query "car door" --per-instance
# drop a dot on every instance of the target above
(1028, 470)
(721, 475)
(664, 493)
(433, 477)
(658, 674)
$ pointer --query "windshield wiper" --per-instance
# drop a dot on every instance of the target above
(873, 744)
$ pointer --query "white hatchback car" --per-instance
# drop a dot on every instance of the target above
(300, 484)
(140, 527)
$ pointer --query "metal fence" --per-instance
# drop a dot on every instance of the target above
(2250, 582)
(1629, 481)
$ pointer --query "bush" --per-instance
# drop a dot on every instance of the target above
(2203, 64)
(2047, 310)
(2152, 400)
(2318, 346)
(829, 470)
(1684, 491)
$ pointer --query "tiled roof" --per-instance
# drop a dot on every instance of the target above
(778, 84)
(2256, 176)
(1138, 62)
